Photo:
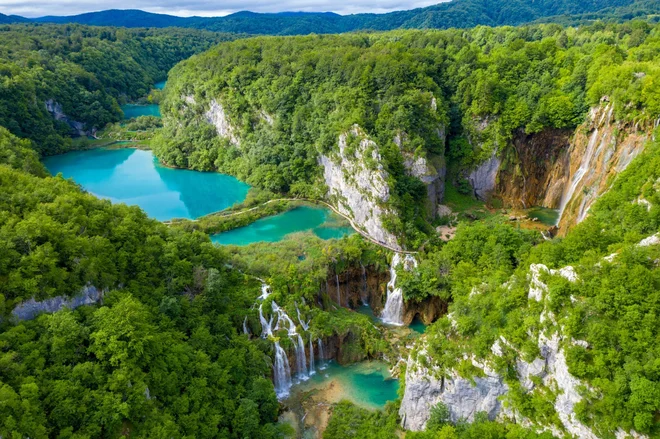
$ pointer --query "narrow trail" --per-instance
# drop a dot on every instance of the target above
(308, 200)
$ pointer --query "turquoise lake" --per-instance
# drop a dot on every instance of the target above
(133, 110)
(367, 384)
(160, 85)
(135, 177)
(320, 221)
(546, 216)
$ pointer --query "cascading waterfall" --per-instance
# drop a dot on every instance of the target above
(338, 290)
(304, 325)
(281, 372)
(245, 328)
(393, 311)
(312, 368)
(585, 164)
(321, 355)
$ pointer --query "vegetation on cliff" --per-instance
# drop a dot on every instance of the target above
(88, 71)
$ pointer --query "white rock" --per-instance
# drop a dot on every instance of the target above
(217, 117)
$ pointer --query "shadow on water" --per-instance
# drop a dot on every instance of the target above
(135, 177)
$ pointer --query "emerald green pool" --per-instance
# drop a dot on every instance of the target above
(367, 384)
(160, 85)
(320, 221)
(418, 326)
(135, 177)
(133, 110)
(546, 216)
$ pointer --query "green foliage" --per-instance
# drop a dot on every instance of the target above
(86, 70)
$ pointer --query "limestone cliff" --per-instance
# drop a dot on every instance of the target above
(358, 184)
(217, 116)
(31, 308)
(547, 376)
(77, 128)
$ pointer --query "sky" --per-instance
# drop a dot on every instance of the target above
(206, 8)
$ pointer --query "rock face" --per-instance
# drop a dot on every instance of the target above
(357, 184)
(602, 147)
(217, 117)
(28, 310)
(426, 386)
(433, 178)
(77, 128)
(484, 177)
(463, 398)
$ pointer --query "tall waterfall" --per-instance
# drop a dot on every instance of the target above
(245, 328)
(281, 372)
(393, 311)
(338, 290)
(312, 368)
(321, 355)
(585, 165)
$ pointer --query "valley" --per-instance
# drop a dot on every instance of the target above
(415, 233)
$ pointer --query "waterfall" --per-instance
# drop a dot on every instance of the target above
(304, 325)
(338, 290)
(321, 355)
(393, 311)
(281, 372)
(585, 164)
(312, 368)
(301, 360)
(245, 328)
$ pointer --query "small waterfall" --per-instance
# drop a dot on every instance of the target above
(281, 372)
(312, 367)
(338, 290)
(585, 165)
(322, 364)
(393, 311)
(304, 325)
(245, 328)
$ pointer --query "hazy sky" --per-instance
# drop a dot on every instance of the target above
(208, 8)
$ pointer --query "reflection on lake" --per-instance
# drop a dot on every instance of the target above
(135, 177)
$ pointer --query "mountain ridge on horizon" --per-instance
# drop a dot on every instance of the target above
(455, 13)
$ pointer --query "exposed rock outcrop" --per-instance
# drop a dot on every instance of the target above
(484, 178)
(425, 389)
(77, 128)
(217, 116)
(357, 184)
(29, 309)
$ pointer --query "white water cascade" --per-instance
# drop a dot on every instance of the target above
(312, 368)
(338, 290)
(393, 311)
(585, 164)
(321, 355)
(245, 328)
(281, 372)
(364, 297)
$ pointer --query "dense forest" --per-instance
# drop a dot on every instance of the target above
(173, 349)
(486, 85)
(456, 13)
(83, 73)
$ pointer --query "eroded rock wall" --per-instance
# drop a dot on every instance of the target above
(29, 309)
(77, 128)
(358, 184)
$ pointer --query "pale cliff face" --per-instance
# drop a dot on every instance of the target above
(359, 190)
(426, 385)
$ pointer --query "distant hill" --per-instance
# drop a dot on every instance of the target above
(456, 13)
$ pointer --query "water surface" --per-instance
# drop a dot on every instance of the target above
(367, 384)
(418, 326)
(135, 177)
(133, 110)
(546, 216)
(320, 221)
(160, 85)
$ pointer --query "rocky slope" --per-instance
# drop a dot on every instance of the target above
(358, 184)
(561, 169)
(546, 376)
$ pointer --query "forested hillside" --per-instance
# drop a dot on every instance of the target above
(456, 13)
(280, 105)
(81, 75)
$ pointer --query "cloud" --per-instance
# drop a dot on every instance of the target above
(207, 8)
